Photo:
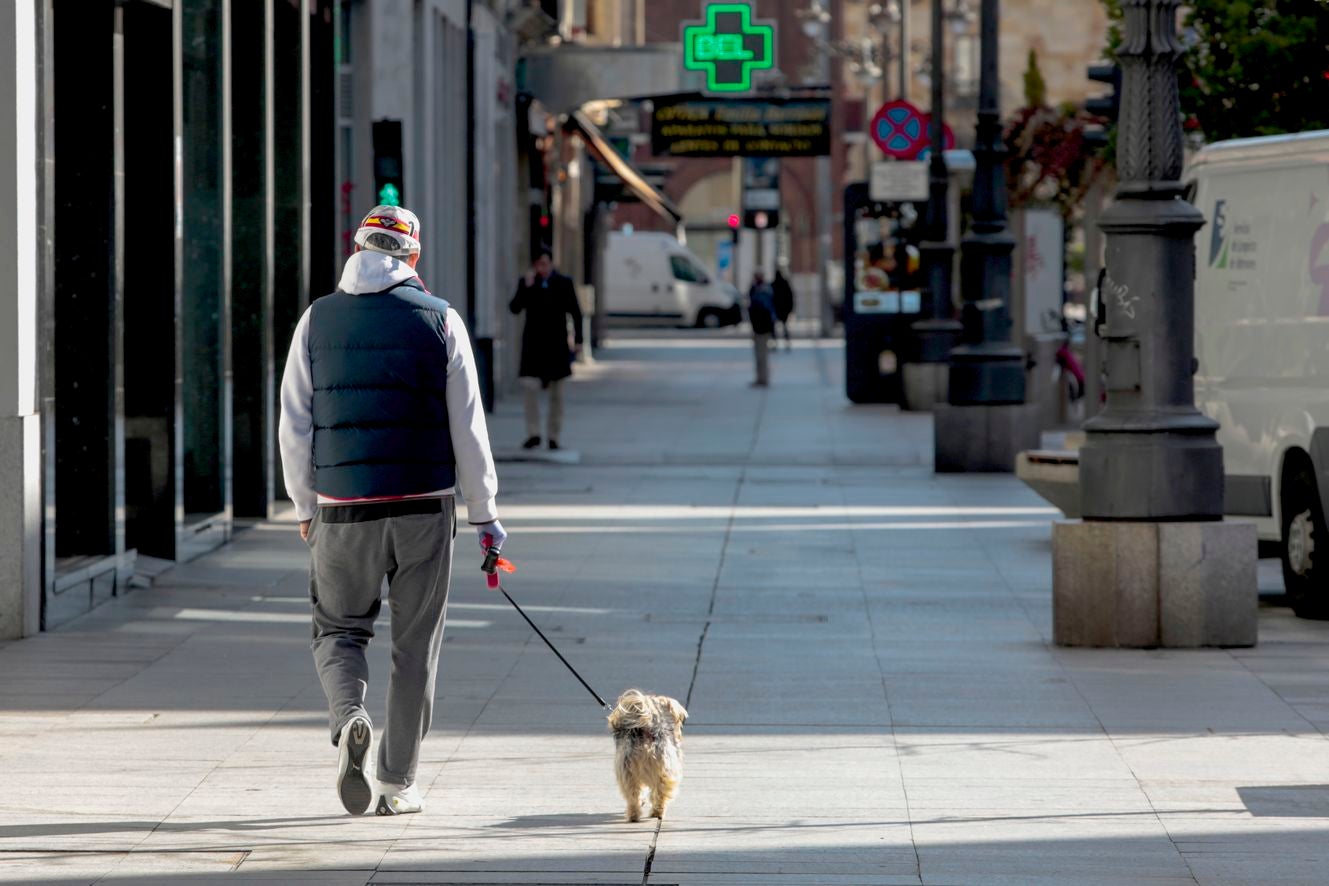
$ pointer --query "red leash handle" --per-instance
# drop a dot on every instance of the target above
(494, 564)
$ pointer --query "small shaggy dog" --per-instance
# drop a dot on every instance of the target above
(648, 741)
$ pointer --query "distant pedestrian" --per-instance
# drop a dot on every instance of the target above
(761, 315)
(548, 298)
(784, 306)
(381, 420)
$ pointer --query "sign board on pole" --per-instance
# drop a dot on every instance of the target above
(741, 127)
(900, 129)
(763, 198)
(899, 181)
(724, 260)
(1042, 251)
(904, 132)
(947, 138)
(728, 45)
(761, 183)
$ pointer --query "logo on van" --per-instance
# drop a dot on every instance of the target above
(1218, 243)
(1319, 269)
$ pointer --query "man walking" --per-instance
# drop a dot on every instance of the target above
(548, 298)
(761, 315)
(381, 420)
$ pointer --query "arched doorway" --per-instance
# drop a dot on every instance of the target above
(707, 205)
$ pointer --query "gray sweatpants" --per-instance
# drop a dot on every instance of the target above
(350, 560)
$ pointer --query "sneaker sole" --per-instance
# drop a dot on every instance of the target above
(384, 809)
(352, 784)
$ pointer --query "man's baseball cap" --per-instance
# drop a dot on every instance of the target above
(390, 230)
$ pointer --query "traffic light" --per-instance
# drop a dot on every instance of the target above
(761, 219)
(1107, 107)
(388, 184)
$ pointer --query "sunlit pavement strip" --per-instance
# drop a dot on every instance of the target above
(862, 647)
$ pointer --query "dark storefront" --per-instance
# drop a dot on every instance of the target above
(190, 221)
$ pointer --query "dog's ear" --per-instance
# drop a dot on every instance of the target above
(672, 705)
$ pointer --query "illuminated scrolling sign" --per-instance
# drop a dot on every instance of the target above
(728, 45)
(741, 127)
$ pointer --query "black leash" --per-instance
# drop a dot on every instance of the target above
(490, 567)
(554, 650)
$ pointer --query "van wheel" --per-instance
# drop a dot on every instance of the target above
(1305, 545)
(709, 318)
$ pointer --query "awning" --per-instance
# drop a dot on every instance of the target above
(626, 172)
(567, 76)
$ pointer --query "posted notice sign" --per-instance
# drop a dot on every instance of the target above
(899, 181)
(738, 127)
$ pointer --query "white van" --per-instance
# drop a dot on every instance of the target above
(1262, 341)
(652, 278)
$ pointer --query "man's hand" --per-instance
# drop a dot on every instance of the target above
(530, 278)
(494, 532)
(304, 530)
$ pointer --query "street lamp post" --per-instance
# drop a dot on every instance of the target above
(987, 368)
(816, 25)
(925, 375)
(1153, 563)
(988, 422)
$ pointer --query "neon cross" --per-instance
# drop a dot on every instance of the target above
(728, 46)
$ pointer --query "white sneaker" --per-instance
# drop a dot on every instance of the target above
(395, 799)
(352, 752)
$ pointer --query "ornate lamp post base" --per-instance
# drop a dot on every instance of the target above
(983, 439)
(926, 374)
(986, 422)
(1153, 563)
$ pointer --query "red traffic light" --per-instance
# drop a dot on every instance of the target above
(735, 221)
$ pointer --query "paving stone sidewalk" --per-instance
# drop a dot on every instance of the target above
(862, 646)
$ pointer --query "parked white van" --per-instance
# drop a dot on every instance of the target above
(1262, 341)
(652, 278)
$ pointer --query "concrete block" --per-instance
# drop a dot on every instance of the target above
(1104, 588)
(925, 385)
(972, 439)
(1209, 594)
(1053, 474)
(1140, 585)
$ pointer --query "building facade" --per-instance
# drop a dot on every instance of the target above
(197, 187)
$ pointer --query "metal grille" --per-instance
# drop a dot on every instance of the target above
(345, 95)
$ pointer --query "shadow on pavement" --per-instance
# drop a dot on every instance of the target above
(885, 854)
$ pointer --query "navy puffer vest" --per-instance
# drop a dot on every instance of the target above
(379, 365)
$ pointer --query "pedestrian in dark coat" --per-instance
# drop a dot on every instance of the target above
(761, 315)
(548, 299)
(784, 306)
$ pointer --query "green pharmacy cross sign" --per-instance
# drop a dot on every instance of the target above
(728, 46)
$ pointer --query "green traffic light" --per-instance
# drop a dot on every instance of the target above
(389, 195)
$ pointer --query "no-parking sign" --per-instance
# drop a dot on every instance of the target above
(901, 130)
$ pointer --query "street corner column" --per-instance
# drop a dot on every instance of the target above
(20, 437)
(986, 421)
(1153, 538)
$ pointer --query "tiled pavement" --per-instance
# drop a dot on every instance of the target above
(862, 647)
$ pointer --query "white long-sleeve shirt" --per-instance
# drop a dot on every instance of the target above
(365, 273)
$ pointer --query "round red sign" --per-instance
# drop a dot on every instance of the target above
(900, 130)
